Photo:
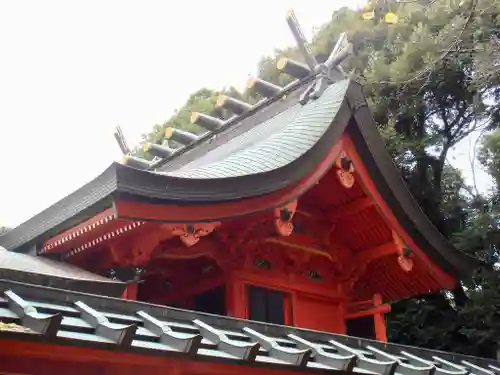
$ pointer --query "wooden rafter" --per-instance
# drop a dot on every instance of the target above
(372, 310)
(88, 230)
(297, 246)
(444, 279)
(351, 208)
(369, 255)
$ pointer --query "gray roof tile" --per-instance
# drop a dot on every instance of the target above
(101, 320)
(273, 143)
(43, 271)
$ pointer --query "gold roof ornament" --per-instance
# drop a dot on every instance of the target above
(367, 16)
(368, 13)
(391, 18)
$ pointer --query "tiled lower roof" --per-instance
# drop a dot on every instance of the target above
(62, 315)
(42, 271)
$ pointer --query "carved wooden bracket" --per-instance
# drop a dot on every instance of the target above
(142, 245)
(345, 171)
(208, 248)
(283, 218)
(403, 253)
(190, 234)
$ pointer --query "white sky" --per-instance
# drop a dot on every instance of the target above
(70, 71)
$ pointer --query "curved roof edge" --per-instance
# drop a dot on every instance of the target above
(87, 201)
(381, 169)
(119, 179)
(329, 123)
(268, 162)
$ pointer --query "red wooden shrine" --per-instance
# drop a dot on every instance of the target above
(285, 213)
(329, 244)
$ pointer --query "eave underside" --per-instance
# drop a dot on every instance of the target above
(358, 223)
(351, 218)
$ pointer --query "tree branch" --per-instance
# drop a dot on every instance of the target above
(430, 68)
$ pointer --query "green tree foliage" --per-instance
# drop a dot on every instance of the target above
(489, 155)
(202, 101)
(431, 78)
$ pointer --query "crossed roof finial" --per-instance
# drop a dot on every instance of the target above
(329, 71)
(322, 75)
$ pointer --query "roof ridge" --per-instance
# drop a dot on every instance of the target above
(234, 121)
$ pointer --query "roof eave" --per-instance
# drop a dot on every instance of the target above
(363, 131)
(85, 202)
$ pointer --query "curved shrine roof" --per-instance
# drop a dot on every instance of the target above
(269, 147)
(272, 144)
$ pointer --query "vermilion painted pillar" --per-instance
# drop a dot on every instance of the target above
(131, 291)
(236, 305)
(131, 276)
(379, 320)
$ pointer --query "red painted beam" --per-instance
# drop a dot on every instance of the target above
(290, 284)
(20, 355)
(95, 226)
(213, 212)
(107, 236)
(368, 255)
(382, 309)
(103, 227)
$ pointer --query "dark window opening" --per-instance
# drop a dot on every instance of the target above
(266, 305)
(212, 301)
(363, 327)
